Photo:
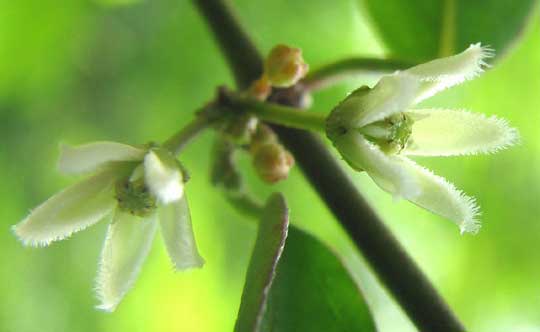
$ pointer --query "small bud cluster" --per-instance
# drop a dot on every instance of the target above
(283, 68)
(271, 160)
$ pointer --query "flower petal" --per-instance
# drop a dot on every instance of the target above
(441, 74)
(442, 198)
(163, 175)
(69, 211)
(386, 170)
(88, 157)
(176, 229)
(128, 241)
(447, 133)
(392, 94)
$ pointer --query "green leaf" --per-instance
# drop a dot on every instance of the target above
(421, 30)
(268, 248)
(313, 291)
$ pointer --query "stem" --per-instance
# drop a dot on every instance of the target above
(283, 115)
(335, 72)
(178, 141)
(391, 263)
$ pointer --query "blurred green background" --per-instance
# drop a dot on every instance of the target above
(79, 71)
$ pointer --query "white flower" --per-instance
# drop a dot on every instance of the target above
(376, 129)
(132, 188)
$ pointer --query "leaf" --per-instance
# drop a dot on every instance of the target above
(421, 30)
(312, 290)
(268, 248)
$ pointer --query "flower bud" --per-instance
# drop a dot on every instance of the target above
(285, 66)
(272, 162)
(260, 89)
(262, 136)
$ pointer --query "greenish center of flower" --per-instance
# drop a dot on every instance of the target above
(134, 197)
(391, 134)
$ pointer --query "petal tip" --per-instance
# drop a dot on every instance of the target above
(21, 236)
(31, 240)
(195, 264)
(470, 224)
(508, 136)
(440, 74)
(480, 54)
(107, 307)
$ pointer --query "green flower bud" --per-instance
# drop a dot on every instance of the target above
(261, 88)
(262, 136)
(285, 66)
(272, 162)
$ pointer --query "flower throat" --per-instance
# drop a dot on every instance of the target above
(391, 134)
(134, 197)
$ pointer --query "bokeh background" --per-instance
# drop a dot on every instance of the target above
(81, 70)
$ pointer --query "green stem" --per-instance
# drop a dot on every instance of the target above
(282, 115)
(335, 72)
(178, 141)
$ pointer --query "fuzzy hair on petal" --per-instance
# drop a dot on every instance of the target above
(443, 198)
(71, 210)
(127, 244)
(177, 232)
(440, 74)
(91, 156)
(442, 132)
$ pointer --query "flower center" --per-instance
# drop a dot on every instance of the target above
(391, 134)
(134, 197)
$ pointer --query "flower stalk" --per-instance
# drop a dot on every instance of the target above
(282, 115)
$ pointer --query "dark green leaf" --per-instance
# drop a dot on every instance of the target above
(313, 291)
(425, 29)
(268, 248)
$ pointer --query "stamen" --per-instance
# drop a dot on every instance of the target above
(134, 197)
(391, 134)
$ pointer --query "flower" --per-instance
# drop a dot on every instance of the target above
(132, 188)
(375, 130)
